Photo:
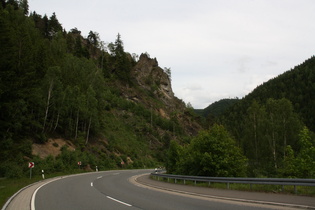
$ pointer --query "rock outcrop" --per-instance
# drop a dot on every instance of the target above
(150, 76)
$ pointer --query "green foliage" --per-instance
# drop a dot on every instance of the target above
(266, 122)
(211, 114)
(296, 85)
(173, 156)
(211, 153)
(264, 131)
(305, 158)
(300, 164)
(121, 64)
(217, 108)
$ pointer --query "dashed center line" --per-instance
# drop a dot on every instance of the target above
(126, 204)
(113, 199)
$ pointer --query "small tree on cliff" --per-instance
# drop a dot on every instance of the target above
(168, 72)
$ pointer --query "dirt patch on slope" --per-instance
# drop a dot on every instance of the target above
(51, 147)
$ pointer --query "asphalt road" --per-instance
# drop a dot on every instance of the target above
(113, 190)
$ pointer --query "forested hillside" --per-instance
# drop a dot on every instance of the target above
(274, 123)
(273, 126)
(113, 109)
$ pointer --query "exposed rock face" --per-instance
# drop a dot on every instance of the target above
(153, 78)
(149, 76)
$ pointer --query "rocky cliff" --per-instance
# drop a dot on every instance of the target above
(151, 77)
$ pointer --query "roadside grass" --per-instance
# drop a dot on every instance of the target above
(9, 186)
(287, 189)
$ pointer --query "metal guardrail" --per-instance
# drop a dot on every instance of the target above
(250, 181)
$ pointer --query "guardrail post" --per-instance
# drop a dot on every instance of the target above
(295, 191)
(184, 181)
(251, 186)
(195, 182)
(175, 181)
(209, 184)
(228, 185)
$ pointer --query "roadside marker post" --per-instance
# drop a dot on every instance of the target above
(31, 165)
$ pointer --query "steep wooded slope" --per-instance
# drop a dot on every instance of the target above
(111, 106)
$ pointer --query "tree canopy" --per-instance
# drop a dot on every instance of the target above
(211, 153)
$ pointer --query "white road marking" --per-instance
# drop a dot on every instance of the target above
(91, 184)
(35, 192)
(99, 177)
(118, 201)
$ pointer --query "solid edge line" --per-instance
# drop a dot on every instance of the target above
(127, 204)
(222, 198)
(35, 192)
(53, 179)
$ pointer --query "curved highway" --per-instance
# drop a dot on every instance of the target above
(113, 190)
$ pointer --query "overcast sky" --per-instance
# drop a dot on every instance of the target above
(215, 48)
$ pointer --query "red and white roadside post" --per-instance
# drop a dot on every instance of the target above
(31, 165)
(79, 164)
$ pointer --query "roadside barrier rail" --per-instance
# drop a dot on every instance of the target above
(229, 180)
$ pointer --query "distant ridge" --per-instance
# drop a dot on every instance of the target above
(217, 108)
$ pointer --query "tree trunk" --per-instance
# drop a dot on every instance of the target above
(274, 150)
(255, 137)
(88, 131)
(48, 103)
(284, 138)
(57, 120)
(76, 126)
